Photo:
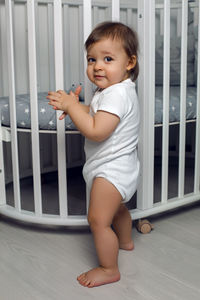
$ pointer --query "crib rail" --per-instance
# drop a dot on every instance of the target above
(59, 78)
(197, 149)
(146, 90)
(34, 108)
(140, 14)
(11, 73)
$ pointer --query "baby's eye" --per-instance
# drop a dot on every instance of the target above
(108, 59)
(90, 59)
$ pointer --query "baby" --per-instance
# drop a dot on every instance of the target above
(110, 125)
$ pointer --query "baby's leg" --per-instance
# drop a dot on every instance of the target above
(104, 203)
(122, 225)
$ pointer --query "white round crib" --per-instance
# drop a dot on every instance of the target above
(40, 165)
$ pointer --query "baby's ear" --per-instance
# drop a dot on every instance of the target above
(132, 62)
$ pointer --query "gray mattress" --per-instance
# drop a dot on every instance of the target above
(47, 116)
(174, 104)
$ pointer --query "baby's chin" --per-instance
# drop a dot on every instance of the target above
(102, 86)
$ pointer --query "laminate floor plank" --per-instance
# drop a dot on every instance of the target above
(42, 264)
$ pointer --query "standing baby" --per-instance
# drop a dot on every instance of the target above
(110, 125)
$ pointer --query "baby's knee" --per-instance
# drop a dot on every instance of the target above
(96, 223)
(93, 222)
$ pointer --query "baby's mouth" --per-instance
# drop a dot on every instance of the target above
(98, 76)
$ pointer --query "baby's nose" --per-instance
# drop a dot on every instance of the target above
(98, 65)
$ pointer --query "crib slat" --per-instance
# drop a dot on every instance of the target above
(81, 50)
(50, 46)
(197, 146)
(12, 102)
(67, 61)
(2, 173)
(165, 130)
(87, 27)
(184, 30)
(146, 94)
(34, 107)
(59, 79)
(38, 59)
(3, 62)
(115, 10)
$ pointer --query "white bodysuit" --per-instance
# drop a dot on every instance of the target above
(115, 159)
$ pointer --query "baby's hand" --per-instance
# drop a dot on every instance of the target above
(60, 100)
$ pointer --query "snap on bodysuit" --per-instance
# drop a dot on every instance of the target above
(115, 159)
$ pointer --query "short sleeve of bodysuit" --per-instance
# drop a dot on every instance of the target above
(113, 100)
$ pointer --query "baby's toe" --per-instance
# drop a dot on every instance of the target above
(80, 277)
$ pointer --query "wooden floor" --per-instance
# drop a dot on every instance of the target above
(43, 264)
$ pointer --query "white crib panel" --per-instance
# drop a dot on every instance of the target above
(20, 47)
(146, 94)
(165, 129)
(67, 52)
(115, 10)
(87, 27)
(81, 45)
(34, 107)
(12, 103)
(183, 99)
(197, 146)
(59, 79)
(50, 47)
(38, 58)
(2, 172)
(3, 53)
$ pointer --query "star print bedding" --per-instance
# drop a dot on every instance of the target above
(47, 116)
(174, 104)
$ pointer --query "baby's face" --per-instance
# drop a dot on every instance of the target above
(108, 63)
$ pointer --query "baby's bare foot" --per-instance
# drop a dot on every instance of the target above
(127, 246)
(98, 276)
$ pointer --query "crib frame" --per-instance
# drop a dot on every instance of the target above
(146, 90)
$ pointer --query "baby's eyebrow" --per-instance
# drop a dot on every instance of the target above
(89, 55)
(103, 52)
(107, 53)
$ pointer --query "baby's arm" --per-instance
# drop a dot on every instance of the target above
(96, 128)
(86, 108)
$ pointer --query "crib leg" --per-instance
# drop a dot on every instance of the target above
(144, 226)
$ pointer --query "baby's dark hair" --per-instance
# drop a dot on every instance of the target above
(119, 31)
